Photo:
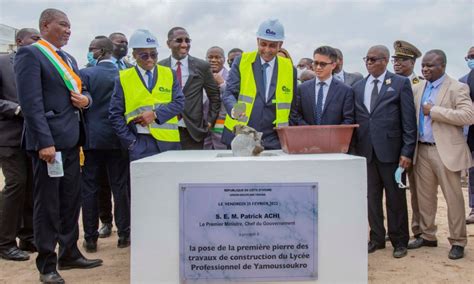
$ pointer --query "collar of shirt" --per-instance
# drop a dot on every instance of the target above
(107, 60)
(51, 45)
(340, 75)
(438, 82)
(184, 62)
(271, 63)
(380, 78)
(327, 81)
(114, 60)
(143, 73)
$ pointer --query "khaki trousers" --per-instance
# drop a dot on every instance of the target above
(429, 173)
(415, 216)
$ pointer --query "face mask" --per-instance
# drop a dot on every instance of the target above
(120, 50)
(398, 177)
(90, 58)
(470, 63)
(299, 72)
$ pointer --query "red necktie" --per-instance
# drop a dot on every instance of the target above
(178, 73)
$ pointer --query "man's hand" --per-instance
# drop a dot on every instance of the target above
(47, 154)
(145, 118)
(427, 108)
(218, 78)
(404, 162)
(79, 100)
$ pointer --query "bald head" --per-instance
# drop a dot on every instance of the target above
(382, 50)
(26, 36)
(377, 59)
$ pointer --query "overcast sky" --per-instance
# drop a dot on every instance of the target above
(352, 26)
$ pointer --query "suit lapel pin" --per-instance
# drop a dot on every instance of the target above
(388, 81)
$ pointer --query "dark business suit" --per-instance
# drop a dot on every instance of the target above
(338, 107)
(263, 111)
(16, 199)
(200, 79)
(103, 153)
(51, 120)
(144, 145)
(352, 78)
(385, 134)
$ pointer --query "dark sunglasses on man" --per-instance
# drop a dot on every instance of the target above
(145, 56)
(180, 40)
(321, 64)
(372, 59)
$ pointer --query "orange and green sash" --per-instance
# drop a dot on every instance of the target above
(71, 79)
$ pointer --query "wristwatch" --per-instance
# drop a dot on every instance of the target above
(18, 110)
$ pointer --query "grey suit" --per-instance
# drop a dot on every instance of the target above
(200, 79)
(16, 204)
(351, 78)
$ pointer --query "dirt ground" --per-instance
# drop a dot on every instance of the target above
(424, 265)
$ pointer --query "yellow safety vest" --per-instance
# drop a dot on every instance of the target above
(138, 99)
(248, 90)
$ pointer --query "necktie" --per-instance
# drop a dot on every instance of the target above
(119, 65)
(264, 76)
(63, 56)
(150, 79)
(178, 74)
(421, 116)
(375, 94)
(319, 103)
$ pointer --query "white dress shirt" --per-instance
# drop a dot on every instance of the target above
(369, 86)
(269, 72)
(325, 89)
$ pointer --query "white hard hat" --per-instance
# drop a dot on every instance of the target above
(143, 39)
(271, 30)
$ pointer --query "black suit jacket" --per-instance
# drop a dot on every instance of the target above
(470, 134)
(100, 82)
(50, 117)
(11, 125)
(390, 129)
(338, 107)
(200, 79)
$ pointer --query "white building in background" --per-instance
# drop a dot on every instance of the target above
(7, 38)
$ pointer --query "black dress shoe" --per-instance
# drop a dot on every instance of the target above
(420, 242)
(81, 262)
(52, 277)
(373, 246)
(90, 246)
(456, 252)
(27, 246)
(123, 242)
(400, 252)
(14, 253)
(105, 231)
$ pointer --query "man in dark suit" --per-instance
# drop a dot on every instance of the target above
(264, 83)
(194, 76)
(346, 77)
(385, 111)
(146, 101)
(16, 204)
(51, 103)
(323, 100)
(102, 149)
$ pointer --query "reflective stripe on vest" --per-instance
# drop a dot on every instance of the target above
(138, 99)
(248, 90)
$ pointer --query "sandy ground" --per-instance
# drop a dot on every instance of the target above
(424, 265)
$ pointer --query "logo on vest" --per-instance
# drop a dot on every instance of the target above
(150, 40)
(164, 90)
(285, 89)
(270, 32)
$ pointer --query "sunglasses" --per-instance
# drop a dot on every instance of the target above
(372, 59)
(180, 40)
(145, 56)
(471, 56)
(321, 64)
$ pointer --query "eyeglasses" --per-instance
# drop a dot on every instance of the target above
(469, 57)
(372, 59)
(399, 60)
(180, 40)
(321, 64)
(145, 56)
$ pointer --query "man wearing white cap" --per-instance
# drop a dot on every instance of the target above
(146, 101)
(262, 82)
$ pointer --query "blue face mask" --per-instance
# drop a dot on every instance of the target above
(90, 59)
(398, 177)
(470, 63)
